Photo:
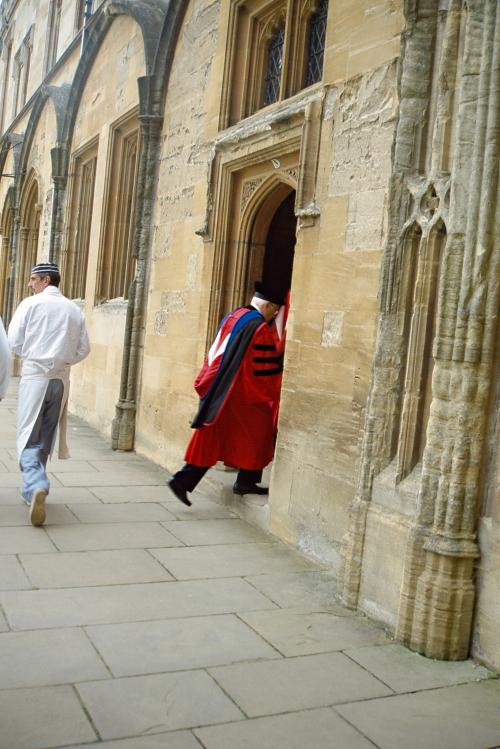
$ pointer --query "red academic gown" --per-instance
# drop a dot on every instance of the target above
(243, 431)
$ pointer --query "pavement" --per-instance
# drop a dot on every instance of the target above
(132, 622)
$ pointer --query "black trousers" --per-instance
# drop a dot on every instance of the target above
(190, 476)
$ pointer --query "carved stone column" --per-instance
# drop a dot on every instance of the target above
(438, 592)
(59, 183)
(445, 178)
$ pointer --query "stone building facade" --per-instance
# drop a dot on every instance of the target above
(168, 154)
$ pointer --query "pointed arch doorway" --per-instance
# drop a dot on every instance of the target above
(272, 243)
(260, 247)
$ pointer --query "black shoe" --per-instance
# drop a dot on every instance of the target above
(249, 489)
(179, 493)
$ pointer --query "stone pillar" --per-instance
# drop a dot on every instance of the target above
(59, 183)
(14, 263)
(123, 427)
(437, 599)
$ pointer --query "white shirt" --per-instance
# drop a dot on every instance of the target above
(5, 361)
(48, 332)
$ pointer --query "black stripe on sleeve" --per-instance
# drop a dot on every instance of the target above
(267, 372)
(268, 359)
(264, 347)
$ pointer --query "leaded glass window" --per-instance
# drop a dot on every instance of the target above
(274, 65)
(317, 33)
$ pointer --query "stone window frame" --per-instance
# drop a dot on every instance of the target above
(252, 25)
(29, 233)
(116, 265)
(227, 224)
(423, 251)
(79, 222)
(54, 22)
(21, 72)
(6, 229)
(7, 62)
(79, 15)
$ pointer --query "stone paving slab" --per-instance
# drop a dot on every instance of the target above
(305, 632)
(406, 671)
(126, 465)
(317, 729)
(54, 656)
(287, 685)
(152, 704)
(55, 466)
(19, 539)
(126, 479)
(122, 513)
(459, 717)
(74, 607)
(138, 493)
(43, 717)
(160, 662)
(300, 589)
(63, 495)
(209, 532)
(93, 536)
(18, 514)
(206, 510)
(12, 575)
(88, 568)
(171, 740)
(197, 642)
(227, 560)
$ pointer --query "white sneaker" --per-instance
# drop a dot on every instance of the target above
(37, 507)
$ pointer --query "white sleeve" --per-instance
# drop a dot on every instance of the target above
(17, 330)
(5, 361)
(83, 349)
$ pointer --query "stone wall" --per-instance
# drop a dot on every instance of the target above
(110, 93)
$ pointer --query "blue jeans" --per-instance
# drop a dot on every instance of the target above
(35, 455)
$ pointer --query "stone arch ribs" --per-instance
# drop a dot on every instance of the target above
(59, 97)
(150, 16)
(460, 91)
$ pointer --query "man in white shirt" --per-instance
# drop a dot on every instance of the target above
(5, 361)
(48, 332)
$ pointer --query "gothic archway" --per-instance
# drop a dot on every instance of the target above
(5, 262)
(28, 235)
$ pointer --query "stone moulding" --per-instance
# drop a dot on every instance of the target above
(445, 175)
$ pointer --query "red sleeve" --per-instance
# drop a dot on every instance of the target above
(261, 368)
(206, 376)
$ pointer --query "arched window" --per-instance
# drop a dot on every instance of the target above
(316, 47)
(116, 261)
(54, 22)
(274, 67)
(76, 251)
(275, 48)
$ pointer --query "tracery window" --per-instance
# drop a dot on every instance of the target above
(21, 73)
(274, 67)
(53, 34)
(116, 262)
(83, 9)
(6, 58)
(316, 50)
(5, 264)
(76, 253)
(275, 48)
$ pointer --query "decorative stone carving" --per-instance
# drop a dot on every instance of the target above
(444, 179)
(248, 190)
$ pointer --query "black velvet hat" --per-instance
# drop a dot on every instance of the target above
(269, 296)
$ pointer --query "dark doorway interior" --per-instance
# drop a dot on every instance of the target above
(280, 248)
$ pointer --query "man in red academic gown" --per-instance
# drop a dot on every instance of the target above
(239, 387)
